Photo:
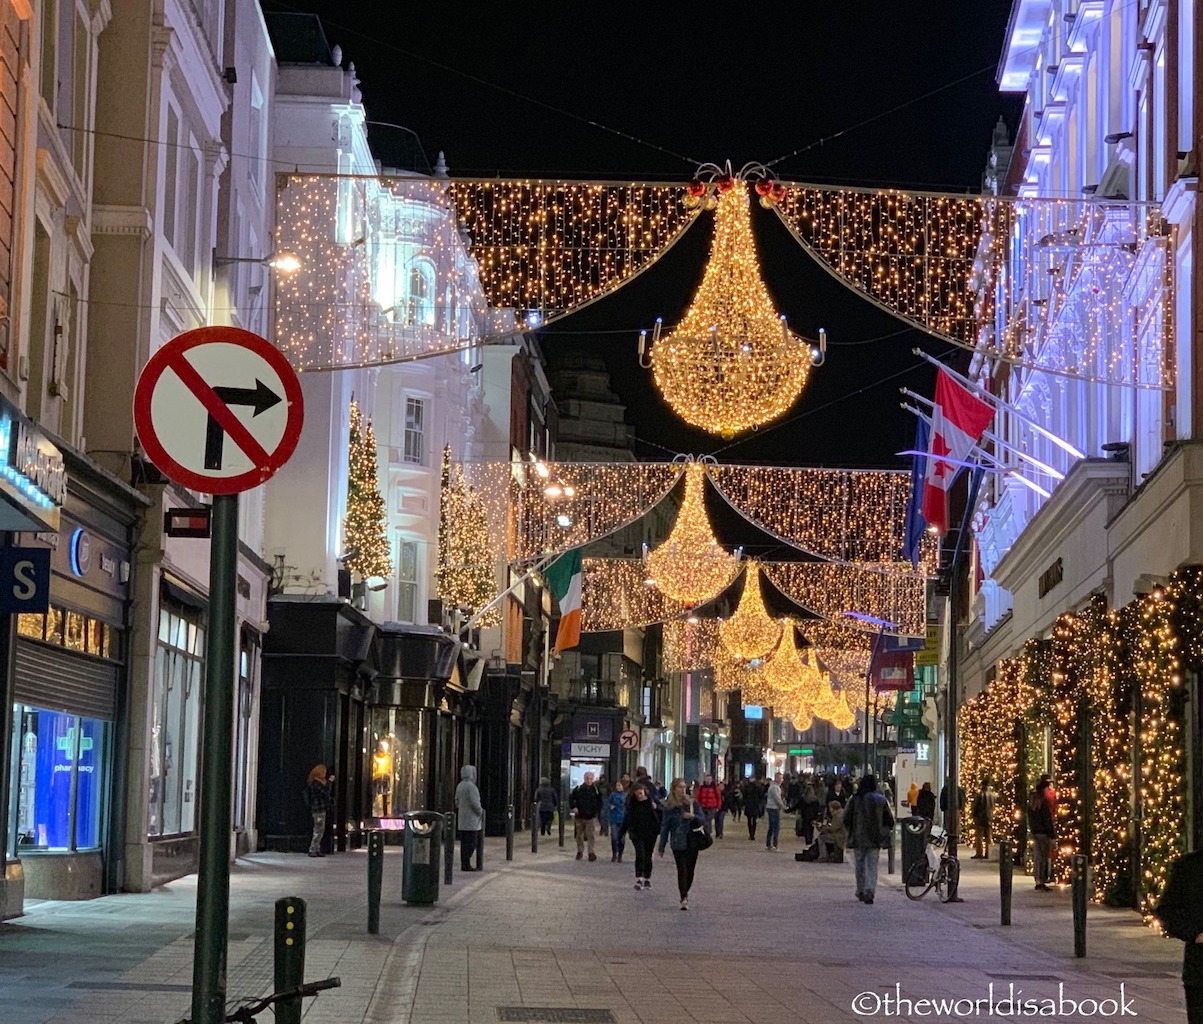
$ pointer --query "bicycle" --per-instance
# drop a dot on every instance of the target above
(939, 870)
(249, 1009)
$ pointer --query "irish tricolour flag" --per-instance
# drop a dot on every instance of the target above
(564, 577)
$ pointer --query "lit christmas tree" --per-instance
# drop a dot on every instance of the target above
(365, 524)
(465, 575)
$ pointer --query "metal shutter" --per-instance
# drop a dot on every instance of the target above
(62, 680)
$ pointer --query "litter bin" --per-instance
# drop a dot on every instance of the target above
(915, 832)
(421, 860)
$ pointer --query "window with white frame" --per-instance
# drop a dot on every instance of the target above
(407, 580)
(415, 431)
(419, 302)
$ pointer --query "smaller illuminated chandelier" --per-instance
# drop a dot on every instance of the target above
(731, 364)
(750, 633)
(691, 566)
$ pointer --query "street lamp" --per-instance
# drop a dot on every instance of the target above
(284, 260)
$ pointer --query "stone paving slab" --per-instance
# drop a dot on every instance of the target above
(766, 939)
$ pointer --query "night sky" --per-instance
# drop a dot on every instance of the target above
(706, 83)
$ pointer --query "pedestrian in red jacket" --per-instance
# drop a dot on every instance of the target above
(711, 799)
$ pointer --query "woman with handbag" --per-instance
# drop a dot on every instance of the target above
(642, 823)
(684, 829)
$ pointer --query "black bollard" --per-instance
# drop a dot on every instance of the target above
(1006, 868)
(480, 850)
(534, 828)
(890, 856)
(509, 832)
(448, 845)
(289, 956)
(561, 817)
(1077, 869)
(375, 880)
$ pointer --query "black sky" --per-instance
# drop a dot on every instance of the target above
(711, 83)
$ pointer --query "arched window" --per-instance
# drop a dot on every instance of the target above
(419, 302)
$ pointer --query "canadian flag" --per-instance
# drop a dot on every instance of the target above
(958, 419)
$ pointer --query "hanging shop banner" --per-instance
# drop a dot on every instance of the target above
(893, 671)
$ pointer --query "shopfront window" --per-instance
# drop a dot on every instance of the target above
(397, 768)
(175, 723)
(59, 780)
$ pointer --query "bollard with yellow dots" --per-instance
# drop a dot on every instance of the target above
(289, 956)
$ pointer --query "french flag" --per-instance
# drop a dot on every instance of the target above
(958, 420)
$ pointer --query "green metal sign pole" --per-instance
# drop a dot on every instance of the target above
(213, 875)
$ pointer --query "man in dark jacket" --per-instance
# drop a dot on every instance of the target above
(869, 825)
(925, 805)
(1181, 915)
(585, 804)
(1043, 828)
(548, 800)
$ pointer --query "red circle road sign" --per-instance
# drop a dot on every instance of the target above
(218, 409)
(628, 739)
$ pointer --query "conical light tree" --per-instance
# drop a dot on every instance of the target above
(365, 524)
(465, 575)
(731, 364)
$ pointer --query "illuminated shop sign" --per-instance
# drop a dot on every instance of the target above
(33, 476)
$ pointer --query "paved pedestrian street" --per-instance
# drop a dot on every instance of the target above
(766, 940)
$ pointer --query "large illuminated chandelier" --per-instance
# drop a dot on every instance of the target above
(731, 364)
(750, 633)
(691, 566)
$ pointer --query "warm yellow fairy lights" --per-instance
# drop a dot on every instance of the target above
(829, 589)
(466, 576)
(1071, 269)
(689, 645)
(691, 566)
(750, 633)
(843, 515)
(731, 364)
(393, 269)
(615, 594)
(1111, 679)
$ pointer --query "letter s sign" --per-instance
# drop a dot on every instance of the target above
(26, 585)
(24, 580)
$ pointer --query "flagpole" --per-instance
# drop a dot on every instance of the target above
(1044, 467)
(1000, 404)
(477, 615)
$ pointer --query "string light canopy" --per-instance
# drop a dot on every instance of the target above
(691, 566)
(847, 516)
(731, 364)
(751, 632)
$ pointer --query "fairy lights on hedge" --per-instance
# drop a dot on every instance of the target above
(1101, 671)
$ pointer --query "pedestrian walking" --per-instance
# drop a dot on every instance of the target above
(774, 804)
(753, 805)
(642, 824)
(711, 799)
(925, 803)
(1181, 915)
(469, 816)
(319, 795)
(548, 800)
(585, 802)
(734, 797)
(1043, 828)
(616, 811)
(983, 816)
(681, 814)
(869, 825)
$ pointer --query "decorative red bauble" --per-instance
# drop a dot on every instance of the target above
(696, 188)
(778, 192)
(764, 186)
(725, 183)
